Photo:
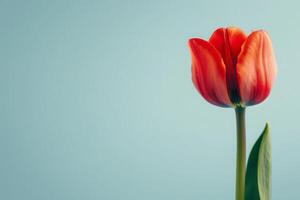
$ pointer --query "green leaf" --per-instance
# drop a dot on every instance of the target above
(258, 174)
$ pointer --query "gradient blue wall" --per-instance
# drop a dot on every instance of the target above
(97, 100)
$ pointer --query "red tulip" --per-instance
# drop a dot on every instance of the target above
(233, 69)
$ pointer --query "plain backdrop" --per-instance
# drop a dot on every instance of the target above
(97, 101)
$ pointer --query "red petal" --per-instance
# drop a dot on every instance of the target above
(208, 72)
(229, 41)
(256, 68)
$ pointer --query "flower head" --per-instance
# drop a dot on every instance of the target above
(232, 68)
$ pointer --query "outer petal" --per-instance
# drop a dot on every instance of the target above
(256, 68)
(208, 72)
(229, 41)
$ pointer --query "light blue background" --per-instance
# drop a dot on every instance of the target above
(97, 100)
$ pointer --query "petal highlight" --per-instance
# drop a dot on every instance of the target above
(208, 72)
(256, 68)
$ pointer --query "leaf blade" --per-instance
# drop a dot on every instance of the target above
(258, 174)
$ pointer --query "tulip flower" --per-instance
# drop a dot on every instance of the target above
(232, 69)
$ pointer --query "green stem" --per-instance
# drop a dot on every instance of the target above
(241, 153)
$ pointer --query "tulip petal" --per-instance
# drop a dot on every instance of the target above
(256, 68)
(229, 41)
(208, 72)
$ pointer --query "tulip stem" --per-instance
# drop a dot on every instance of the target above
(241, 152)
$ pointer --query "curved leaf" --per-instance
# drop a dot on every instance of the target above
(258, 174)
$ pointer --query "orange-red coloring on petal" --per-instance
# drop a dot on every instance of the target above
(232, 68)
